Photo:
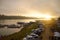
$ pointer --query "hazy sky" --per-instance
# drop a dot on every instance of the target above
(23, 7)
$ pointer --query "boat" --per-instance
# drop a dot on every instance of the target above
(20, 23)
(13, 26)
(2, 26)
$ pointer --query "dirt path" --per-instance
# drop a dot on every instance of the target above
(47, 32)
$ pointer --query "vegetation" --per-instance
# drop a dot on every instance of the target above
(15, 17)
(55, 26)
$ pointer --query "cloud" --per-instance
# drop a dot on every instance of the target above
(22, 6)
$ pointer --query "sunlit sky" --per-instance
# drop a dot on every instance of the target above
(30, 7)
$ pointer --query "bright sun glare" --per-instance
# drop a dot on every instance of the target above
(47, 17)
(44, 16)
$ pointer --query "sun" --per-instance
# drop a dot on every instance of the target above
(47, 17)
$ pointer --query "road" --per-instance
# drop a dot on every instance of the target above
(47, 32)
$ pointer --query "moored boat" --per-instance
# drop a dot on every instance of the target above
(13, 26)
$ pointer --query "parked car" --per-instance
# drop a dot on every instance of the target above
(28, 37)
(32, 36)
(36, 31)
(56, 35)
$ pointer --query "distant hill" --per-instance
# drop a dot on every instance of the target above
(15, 17)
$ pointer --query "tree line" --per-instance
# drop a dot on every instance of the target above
(15, 17)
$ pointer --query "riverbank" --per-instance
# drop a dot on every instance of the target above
(20, 35)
